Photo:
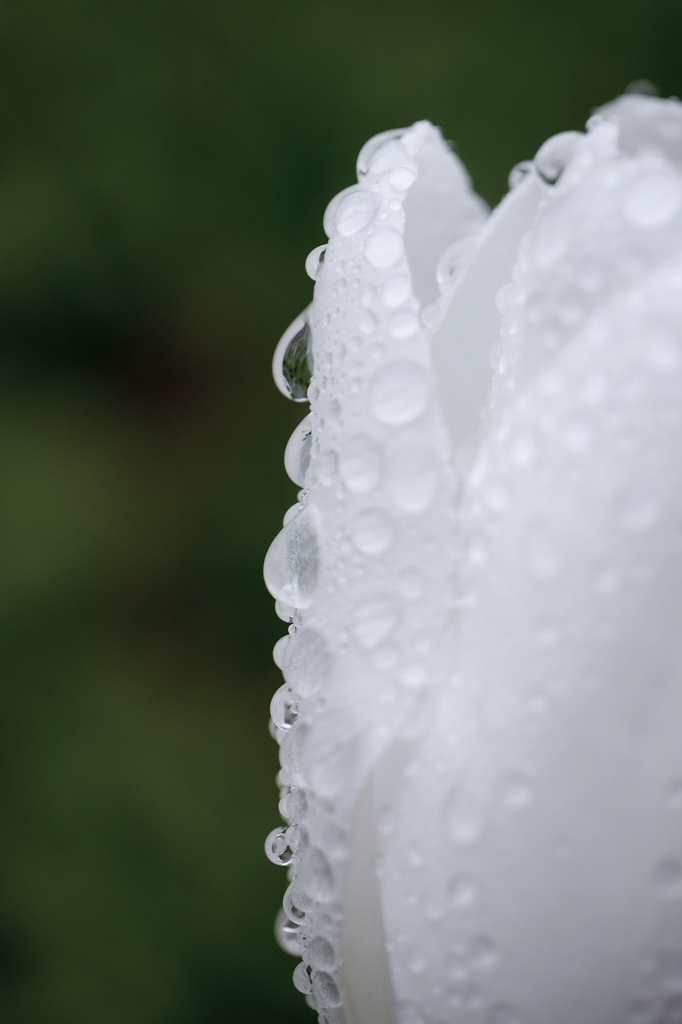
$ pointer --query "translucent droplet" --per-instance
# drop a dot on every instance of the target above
(396, 290)
(292, 364)
(278, 650)
(372, 147)
(519, 172)
(360, 464)
(295, 904)
(403, 324)
(373, 621)
(401, 178)
(399, 393)
(314, 261)
(325, 990)
(321, 954)
(302, 979)
(384, 248)
(280, 845)
(453, 261)
(653, 200)
(284, 708)
(372, 531)
(297, 451)
(463, 891)
(291, 563)
(642, 87)
(355, 212)
(288, 934)
(307, 661)
(554, 154)
(317, 875)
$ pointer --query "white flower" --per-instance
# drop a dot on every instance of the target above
(481, 720)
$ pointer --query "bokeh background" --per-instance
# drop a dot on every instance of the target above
(163, 172)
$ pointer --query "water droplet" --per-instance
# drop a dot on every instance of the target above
(453, 261)
(519, 172)
(384, 248)
(284, 708)
(403, 324)
(372, 531)
(668, 878)
(554, 154)
(462, 821)
(462, 891)
(401, 178)
(320, 954)
(413, 477)
(399, 393)
(291, 564)
(317, 875)
(355, 212)
(278, 650)
(396, 290)
(297, 451)
(281, 844)
(314, 261)
(360, 464)
(374, 620)
(302, 980)
(307, 661)
(295, 904)
(326, 990)
(292, 363)
(371, 148)
(653, 200)
(288, 934)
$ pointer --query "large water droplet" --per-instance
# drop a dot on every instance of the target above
(653, 200)
(374, 620)
(325, 990)
(288, 934)
(297, 451)
(360, 464)
(307, 661)
(291, 564)
(302, 979)
(554, 154)
(292, 364)
(314, 261)
(321, 954)
(281, 844)
(371, 148)
(399, 393)
(355, 212)
(296, 904)
(384, 248)
(372, 531)
(284, 708)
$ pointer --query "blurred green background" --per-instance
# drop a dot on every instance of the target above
(164, 169)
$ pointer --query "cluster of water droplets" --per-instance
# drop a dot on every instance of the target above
(362, 569)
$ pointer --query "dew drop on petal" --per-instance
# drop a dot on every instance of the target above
(384, 248)
(320, 954)
(401, 178)
(554, 154)
(314, 261)
(326, 990)
(288, 934)
(284, 708)
(396, 290)
(360, 464)
(297, 452)
(653, 200)
(302, 980)
(355, 212)
(291, 563)
(278, 650)
(403, 324)
(371, 148)
(372, 531)
(520, 172)
(399, 393)
(374, 620)
(307, 661)
(292, 363)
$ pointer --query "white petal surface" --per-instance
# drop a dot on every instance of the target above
(549, 778)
